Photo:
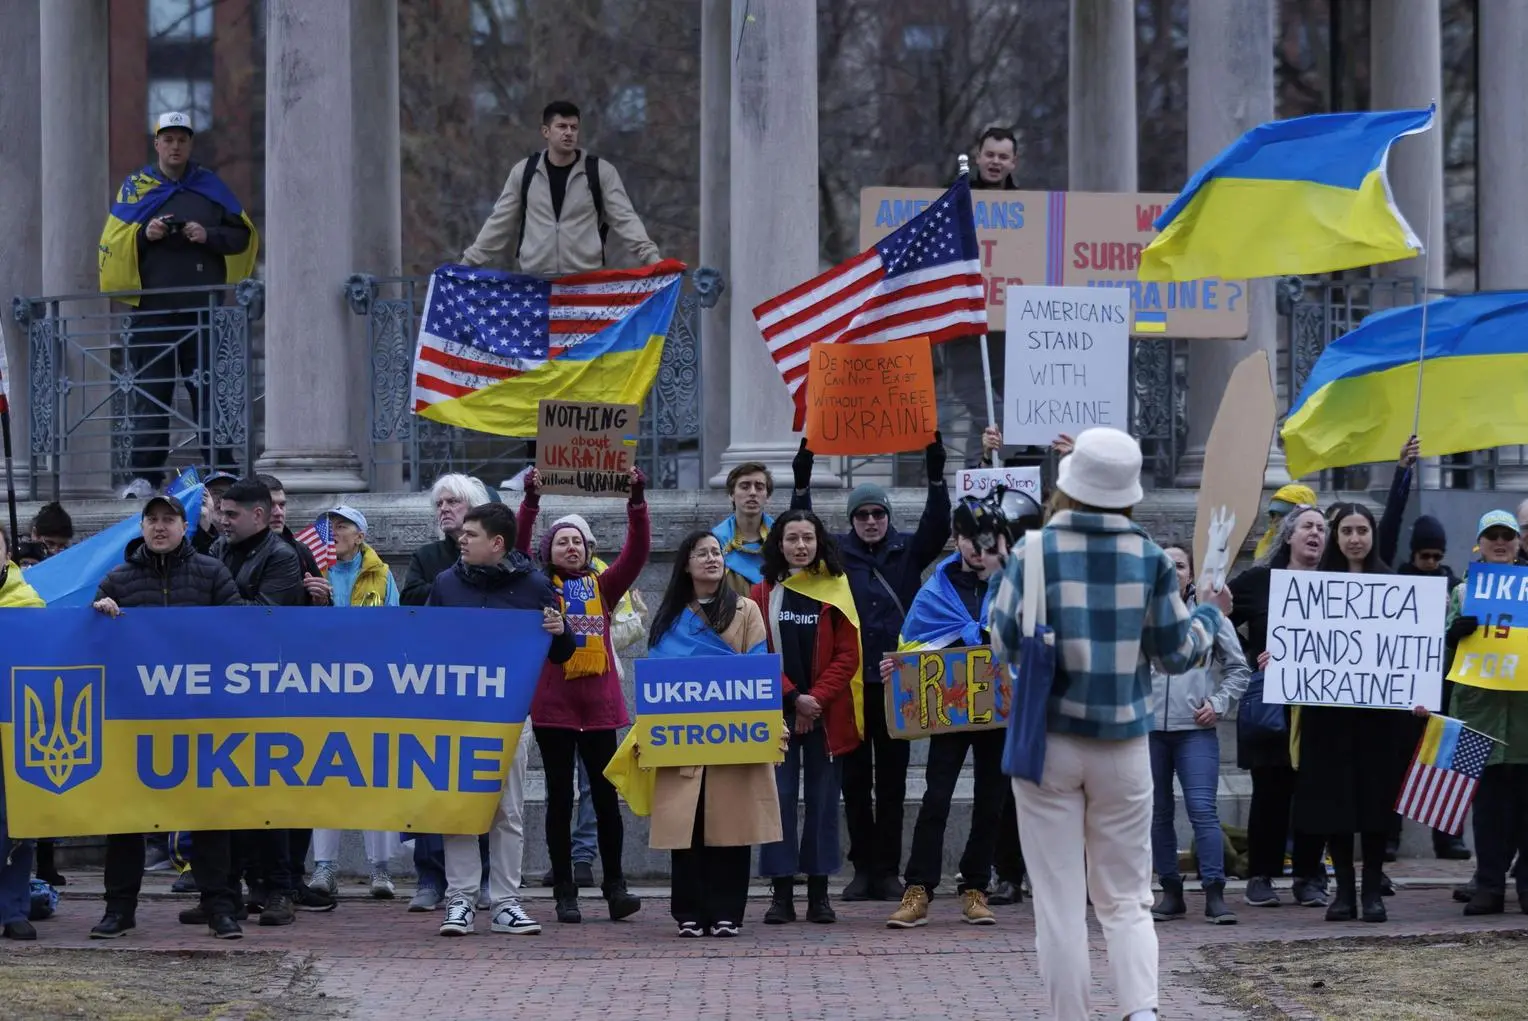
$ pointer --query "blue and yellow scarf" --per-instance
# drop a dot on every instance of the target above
(585, 611)
(743, 558)
(141, 196)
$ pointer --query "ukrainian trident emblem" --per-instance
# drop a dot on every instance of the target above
(62, 714)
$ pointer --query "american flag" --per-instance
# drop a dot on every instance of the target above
(483, 326)
(1441, 782)
(319, 538)
(923, 280)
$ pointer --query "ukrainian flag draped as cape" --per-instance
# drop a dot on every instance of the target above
(690, 636)
(745, 559)
(938, 618)
(141, 196)
(833, 590)
(1307, 195)
(1359, 402)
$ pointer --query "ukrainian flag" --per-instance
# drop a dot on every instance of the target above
(141, 196)
(1359, 404)
(1307, 195)
(493, 345)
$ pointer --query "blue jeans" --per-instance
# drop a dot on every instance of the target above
(430, 860)
(1194, 755)
(15, 872)
(817, 852)
(585, 828)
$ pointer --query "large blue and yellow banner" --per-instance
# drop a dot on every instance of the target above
(1496, 655)
(708, 710)
(244, 718)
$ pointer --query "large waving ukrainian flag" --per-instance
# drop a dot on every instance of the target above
(492, 345)
(1359, 403)
(141, 196)
(1307, 195)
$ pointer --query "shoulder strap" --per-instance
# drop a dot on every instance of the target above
(597, 193)
(1034, 584)
(531, 163)
(896, 599)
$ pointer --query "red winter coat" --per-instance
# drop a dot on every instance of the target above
(835, 664)
(593, 702)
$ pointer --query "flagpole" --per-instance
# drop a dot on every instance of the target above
(1416, 420)
(965, 170)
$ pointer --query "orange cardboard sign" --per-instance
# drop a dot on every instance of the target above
(870, 398)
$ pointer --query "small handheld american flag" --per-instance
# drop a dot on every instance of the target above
(319, 538)
(1444, 772)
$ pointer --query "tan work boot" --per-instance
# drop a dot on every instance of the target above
(973, 904)
(913, 912)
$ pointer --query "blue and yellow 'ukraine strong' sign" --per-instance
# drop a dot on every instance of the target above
(709, 710)
(242, 718)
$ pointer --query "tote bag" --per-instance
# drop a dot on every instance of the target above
(1257, 720)
(1034, 676)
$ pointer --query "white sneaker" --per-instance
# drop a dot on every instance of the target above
(138, 489)
(460, 918)
(724, 930)
(325, 877)
(381, 883)
(512, 918)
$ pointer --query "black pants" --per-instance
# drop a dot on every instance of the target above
(1341, 846)
(875, 790)
(124, 872)
(298, 842)
(946, 756)
(708, 884)
(163, 349)
(595, 747)
(215, 875)
(1008, 861)
(265, 857)
(1273, 791)
(1501, 826)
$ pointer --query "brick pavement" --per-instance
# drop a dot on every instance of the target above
(374, 959)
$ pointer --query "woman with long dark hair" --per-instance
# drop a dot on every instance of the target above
(810, 620)
(1297, 546)
(709, 817)
(1351, 761)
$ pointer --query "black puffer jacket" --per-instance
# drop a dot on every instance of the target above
(182, 577)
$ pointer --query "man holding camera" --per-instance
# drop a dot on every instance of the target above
(174, 224)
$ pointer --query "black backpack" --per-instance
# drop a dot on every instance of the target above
(596, 192)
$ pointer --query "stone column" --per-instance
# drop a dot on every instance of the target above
(75, 196)
(1230, 90)
(774, 236)
(1406, 62)
(715, 218)
(376, 205)
(1101, 116)
(20, 222)
(309, 159)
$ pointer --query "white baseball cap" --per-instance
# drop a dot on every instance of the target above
(174, 119)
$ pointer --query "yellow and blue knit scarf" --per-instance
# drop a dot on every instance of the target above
(585, 612)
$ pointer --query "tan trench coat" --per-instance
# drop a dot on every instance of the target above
(742, 808)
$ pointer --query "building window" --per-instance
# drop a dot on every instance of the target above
(627, 110)
(180, 19)
(193, 96)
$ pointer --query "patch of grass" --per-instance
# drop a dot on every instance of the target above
(134, 985)
(1479, 976)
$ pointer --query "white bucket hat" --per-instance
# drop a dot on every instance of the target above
(1103, 470)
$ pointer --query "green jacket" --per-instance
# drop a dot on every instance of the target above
(1499, 714)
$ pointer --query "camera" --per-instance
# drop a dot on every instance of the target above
(172, 226)
(1003, 513)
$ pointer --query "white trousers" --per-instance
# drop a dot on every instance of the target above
(381, 845)
(506, 841)
(1088, 830)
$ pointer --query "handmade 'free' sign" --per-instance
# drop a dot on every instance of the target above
(934, 691)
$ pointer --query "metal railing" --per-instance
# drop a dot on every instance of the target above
(408, 452)
(117, 392)
(1318, 311)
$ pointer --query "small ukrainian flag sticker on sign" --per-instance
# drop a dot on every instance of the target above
(1150, 322)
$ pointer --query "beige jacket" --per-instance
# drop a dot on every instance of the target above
(742, 807)
(556, 247)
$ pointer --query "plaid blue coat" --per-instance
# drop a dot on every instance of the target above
(1111, 597)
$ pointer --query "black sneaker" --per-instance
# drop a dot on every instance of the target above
(113, 925)
(185, 883)
(583, 875)
(306, 898)
(859, 888)
(278, 911)
(567, 905)
(691, 930)
(621, 903)
(20, 930)
(1260, 893)
(224, 927)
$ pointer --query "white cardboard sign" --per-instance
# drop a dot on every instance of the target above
(1067, 362)
(1371, 640)
(978, 482)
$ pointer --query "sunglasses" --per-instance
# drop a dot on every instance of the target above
(870, 514)
(1428, 556)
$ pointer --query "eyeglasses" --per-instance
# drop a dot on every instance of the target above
(870, 514)
(706, 554)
